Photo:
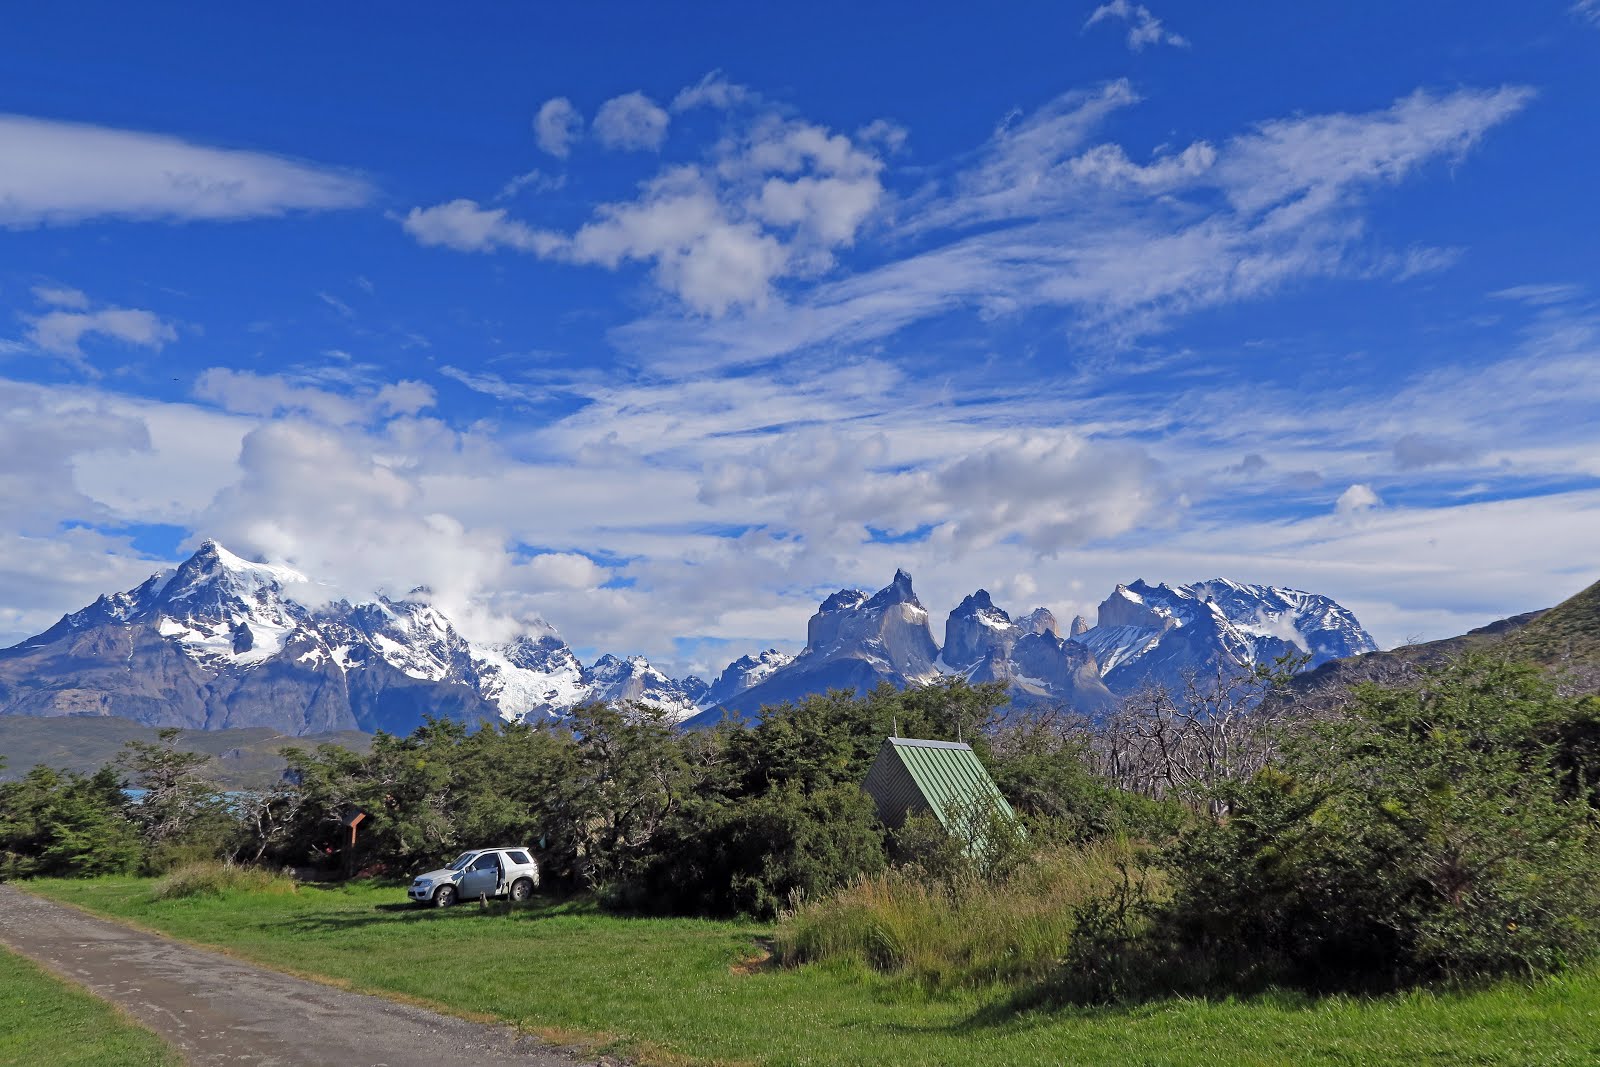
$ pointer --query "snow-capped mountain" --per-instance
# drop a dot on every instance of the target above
(220, 641)
(855, 641)
(1153, 635)
(1028, 656)
(746, 672)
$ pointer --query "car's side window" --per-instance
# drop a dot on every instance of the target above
(519, 858)
(487, 862)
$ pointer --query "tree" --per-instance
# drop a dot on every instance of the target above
(63, 824)
(1223, 726)
(1428, 832)
(176, 806)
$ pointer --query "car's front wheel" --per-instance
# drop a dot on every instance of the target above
(521, 890)
(445, 897)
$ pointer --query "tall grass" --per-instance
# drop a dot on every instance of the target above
(965, 931)
(211, 878)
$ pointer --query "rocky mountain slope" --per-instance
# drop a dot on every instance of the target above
(1565, 639)
(1154, 635)
(219, 642)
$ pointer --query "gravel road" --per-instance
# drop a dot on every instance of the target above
(217, 1010)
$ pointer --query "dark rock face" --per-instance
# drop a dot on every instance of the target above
(854, 641)
(1035, 664)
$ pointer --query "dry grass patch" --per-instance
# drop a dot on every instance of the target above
(965, 932)
(211, 878)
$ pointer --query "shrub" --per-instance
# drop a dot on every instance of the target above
(60, 824)
(214, 879)
(1428, 834)
(963, 931)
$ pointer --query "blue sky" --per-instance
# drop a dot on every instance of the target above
(658, 323)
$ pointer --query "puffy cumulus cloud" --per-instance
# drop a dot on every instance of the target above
(565, 571)
(711, 261)
(1357, 499)
(405, 397)
(59, 173)
(773, 200)
(1143, 27)
(557, 125)
(466, 226)
(41, 434)
(631, 122)
(327, 504)
(1053, 491)
(1046, 490)
(60, 332)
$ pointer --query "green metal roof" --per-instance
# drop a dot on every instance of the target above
(912, 776)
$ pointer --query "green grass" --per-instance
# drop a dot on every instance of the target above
(46, 1020)
(672, 987)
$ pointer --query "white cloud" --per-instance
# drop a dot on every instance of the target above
(61, 297)
(1143, 29)
(774, 201)
(713, 91)
(1302, 164)
(557, 125)
(60, 332)
(59, 173)
(631, 122)
(1588, 10)
(466, 226)
(1041, 217)
(566, 570)
(249, 393)
(535, 179)
(1356, 499)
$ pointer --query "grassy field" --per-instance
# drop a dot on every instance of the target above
(677, 990)
(46, 1020)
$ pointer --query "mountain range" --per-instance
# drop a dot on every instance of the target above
(221, 642)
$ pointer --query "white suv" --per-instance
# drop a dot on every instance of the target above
(484, 872)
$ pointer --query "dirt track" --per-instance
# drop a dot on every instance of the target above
(218, 1010)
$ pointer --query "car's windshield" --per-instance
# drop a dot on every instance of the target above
(462, 860)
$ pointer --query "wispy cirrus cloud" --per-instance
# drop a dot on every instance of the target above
(61, 173)
(1143, 28)
(1043, 216)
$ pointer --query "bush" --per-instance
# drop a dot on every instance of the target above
(65, 825)
(965, 931)
(763, 854)
(1428, 834)
(214, 879)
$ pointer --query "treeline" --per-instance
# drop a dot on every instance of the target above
(615, 800)
(1206, 839)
